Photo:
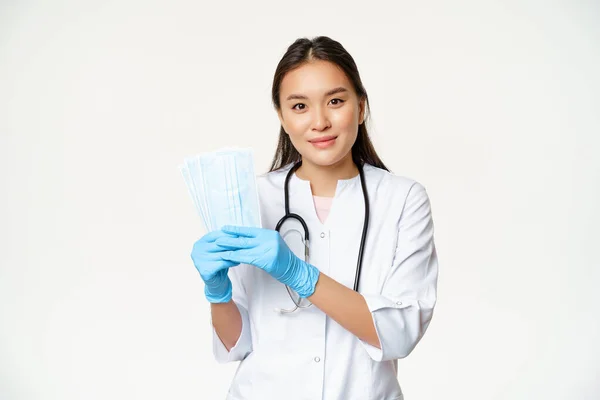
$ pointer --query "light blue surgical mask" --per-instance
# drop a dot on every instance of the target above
(222, 185)
(191, 174)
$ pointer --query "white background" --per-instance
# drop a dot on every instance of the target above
(493, 106)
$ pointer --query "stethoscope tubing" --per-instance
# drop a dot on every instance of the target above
(297, 217)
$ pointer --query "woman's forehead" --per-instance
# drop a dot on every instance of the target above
(314, 78)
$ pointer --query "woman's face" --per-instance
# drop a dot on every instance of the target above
(321, 112)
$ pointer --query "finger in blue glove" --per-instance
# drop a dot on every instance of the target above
(213, 269)
(266, 249)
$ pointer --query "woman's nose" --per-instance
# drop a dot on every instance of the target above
(320, 120)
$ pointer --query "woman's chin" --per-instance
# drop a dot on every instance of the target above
(324, 158)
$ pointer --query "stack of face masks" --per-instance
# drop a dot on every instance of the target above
(222, 186)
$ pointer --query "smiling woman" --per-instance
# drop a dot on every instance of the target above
(318, 117)
(371, 272)
(322, 105)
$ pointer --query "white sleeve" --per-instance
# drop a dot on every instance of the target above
(243, 346)
(404, 308)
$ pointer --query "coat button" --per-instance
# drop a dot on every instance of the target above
(322, 234)
(317, 359)
(399, 303)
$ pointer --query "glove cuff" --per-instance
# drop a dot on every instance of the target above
(222, 294)
(308, 280)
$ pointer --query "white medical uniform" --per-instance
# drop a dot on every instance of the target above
(306, 355)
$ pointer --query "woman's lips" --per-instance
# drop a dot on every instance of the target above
(323, 142)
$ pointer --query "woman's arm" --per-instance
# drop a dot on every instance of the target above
(394, 320)
(347, 307)
(227, 321)
(232, 337)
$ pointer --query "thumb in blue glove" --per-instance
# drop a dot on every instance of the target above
(213, 270)
(266, 249)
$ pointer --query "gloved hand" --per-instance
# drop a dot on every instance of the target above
(266, 249)
(207, 259)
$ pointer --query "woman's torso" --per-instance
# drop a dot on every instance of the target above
(306, 354)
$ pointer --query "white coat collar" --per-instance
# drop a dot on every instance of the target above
(296, 184)
(344, 204)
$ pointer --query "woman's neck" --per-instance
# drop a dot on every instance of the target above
(323, 179)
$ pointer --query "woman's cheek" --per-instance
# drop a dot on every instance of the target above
(345, 119)
(298, 125)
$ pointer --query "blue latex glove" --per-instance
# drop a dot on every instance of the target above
(212, 268)
(266, 249)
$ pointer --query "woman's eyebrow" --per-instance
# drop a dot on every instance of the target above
(339, 89)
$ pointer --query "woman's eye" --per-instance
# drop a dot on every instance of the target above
(302, 106)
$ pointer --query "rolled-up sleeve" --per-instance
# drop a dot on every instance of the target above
(243, 346)
(404, 308)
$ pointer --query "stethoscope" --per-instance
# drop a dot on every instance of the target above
(289, 215)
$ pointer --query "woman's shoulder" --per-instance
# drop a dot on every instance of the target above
(378, 179)
(390, 182)
(396, 193)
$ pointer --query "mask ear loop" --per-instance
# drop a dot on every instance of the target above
(297, 304)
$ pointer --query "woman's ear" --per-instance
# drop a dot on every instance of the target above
(361, 111)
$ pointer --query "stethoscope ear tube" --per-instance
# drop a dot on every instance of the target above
(365, 227)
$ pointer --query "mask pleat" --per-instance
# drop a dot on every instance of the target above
(238, 192)
(226, 171)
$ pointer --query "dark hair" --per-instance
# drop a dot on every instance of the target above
(322, 48)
